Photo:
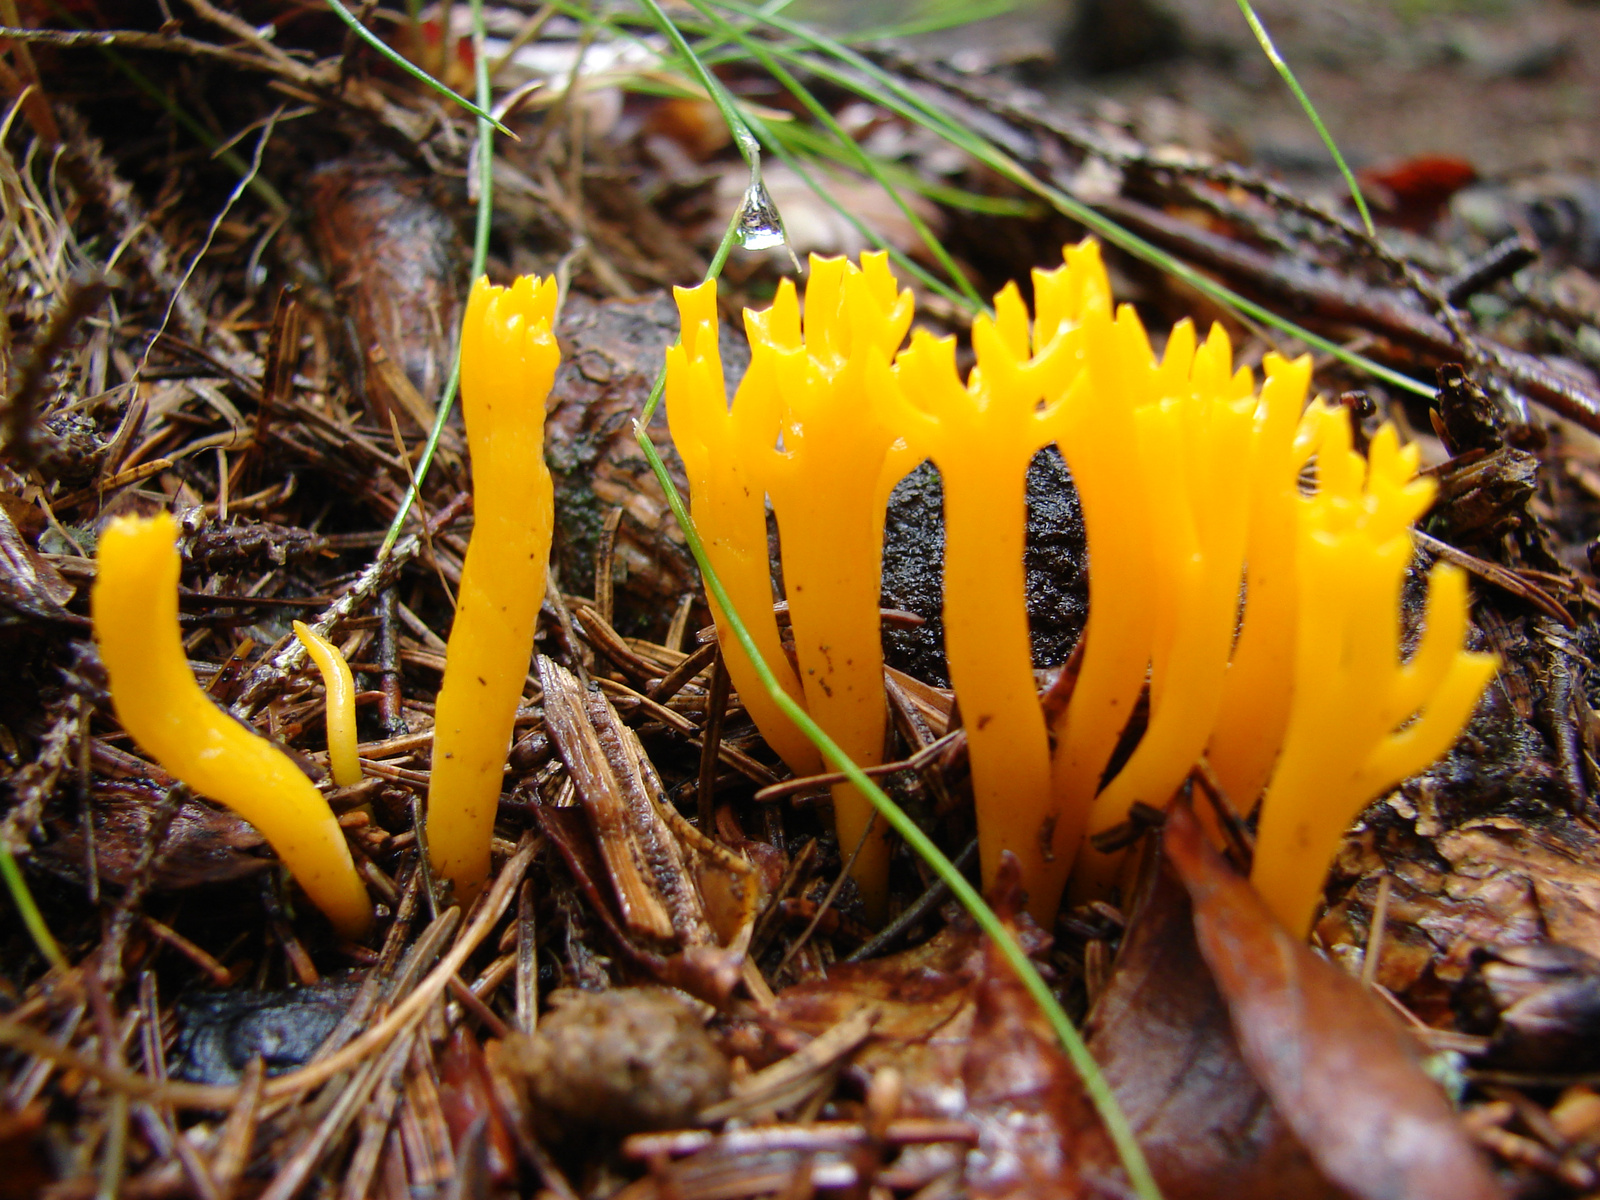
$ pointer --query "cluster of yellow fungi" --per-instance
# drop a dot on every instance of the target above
(508, 361)
(1261, 621)
(1260, 617)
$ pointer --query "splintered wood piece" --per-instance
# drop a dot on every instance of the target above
(729, 887)
(623, 801)
(933, 705)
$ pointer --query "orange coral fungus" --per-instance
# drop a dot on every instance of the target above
(1259, 623)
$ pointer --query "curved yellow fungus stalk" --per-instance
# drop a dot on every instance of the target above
(724, 449)
(1361, 720)
(981, 436)
(343, 762)
(508, 362)
(829, 476)
(135, 609)
(1097, 436)
(1202, 456)
(1255, 699)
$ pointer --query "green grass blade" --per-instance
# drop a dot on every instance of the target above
(775, 141)
(803, 139)
(749, 148)
(479, 110)
(865, 78)
(1276, 59)
(934, 22)
(863, 161)
(480, 258)
(32, 918)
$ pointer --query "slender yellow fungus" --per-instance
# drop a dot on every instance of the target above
(135, 609)
(982, 435)
(723, 448)
(1255, 699)
(1361, 719)
(809, 429)
(343, 762)
(1097, 436)
(508, 362)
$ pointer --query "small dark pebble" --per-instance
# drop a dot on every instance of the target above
(220, 1032)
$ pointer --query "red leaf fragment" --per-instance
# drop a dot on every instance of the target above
(1412, 194)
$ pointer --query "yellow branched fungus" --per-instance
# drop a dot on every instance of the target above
(1360, 720)
(508, 362)
(982, 435)
(1260, 624)
(723, 448)
(343, 762)
(135, 609)
(809, 429)
(1208, 453)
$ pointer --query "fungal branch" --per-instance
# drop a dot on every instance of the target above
(981, 435)
(1259, 684)
(1360, 719)
(723, 449)
(829, 477)
(344, 764)
(508, 363)
(809, 429)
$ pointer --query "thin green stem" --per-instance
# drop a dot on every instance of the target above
(775, 141)
(32, 918)
(480, 258)
(894, 95)
(479, 110)
(1276, 59)
(749, 148)
(863, 160)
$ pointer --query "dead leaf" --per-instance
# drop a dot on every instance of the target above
(967, 1041)
(1341, 1072)
(1161, 1034)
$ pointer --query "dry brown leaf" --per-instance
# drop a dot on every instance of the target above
(1161, 1033)
(1337, 1067)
